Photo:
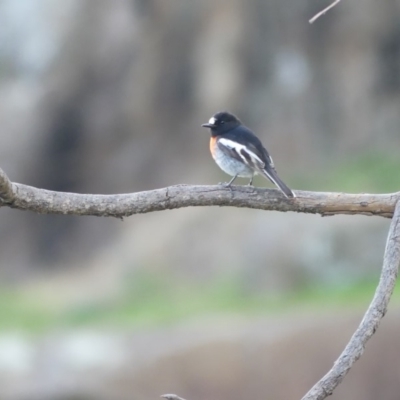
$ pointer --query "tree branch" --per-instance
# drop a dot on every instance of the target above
(372, 317)
(23, 197)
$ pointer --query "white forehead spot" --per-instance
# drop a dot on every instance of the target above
(212, 121)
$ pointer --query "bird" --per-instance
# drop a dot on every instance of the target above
(239, 152)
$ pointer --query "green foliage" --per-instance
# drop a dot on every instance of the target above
(150, 300)
(368, 173)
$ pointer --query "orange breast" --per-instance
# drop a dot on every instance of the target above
(213, 145)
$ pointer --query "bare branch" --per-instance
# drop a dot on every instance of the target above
(372, 317)
(324, 11)
(171, 397)
(43, 201)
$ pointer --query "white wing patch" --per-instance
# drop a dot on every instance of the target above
(240, 149)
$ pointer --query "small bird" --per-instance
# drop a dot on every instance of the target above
(239, 152)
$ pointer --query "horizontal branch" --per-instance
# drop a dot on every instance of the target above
(23, 197)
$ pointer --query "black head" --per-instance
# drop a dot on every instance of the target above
(222, 122)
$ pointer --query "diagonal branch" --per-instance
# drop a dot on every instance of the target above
(23, 197)
(372, 317)
(368, 326)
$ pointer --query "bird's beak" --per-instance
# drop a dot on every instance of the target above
(208, 125)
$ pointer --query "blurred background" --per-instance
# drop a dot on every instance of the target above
(210, 303)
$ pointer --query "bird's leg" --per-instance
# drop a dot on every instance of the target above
(228, 185)
(251, 181)
(230, 182)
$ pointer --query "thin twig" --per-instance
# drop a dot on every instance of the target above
(372, 317)
(324, 11)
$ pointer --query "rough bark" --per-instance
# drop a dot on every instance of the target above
(43, 201)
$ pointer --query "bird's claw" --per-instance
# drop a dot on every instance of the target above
(226, 185)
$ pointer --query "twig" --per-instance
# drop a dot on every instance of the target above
(324, 11)
(372, 317)
(43, 201)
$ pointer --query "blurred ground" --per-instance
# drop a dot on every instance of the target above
(108, 96)
(217, 358)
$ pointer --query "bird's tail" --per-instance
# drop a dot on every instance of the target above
(270, 173)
